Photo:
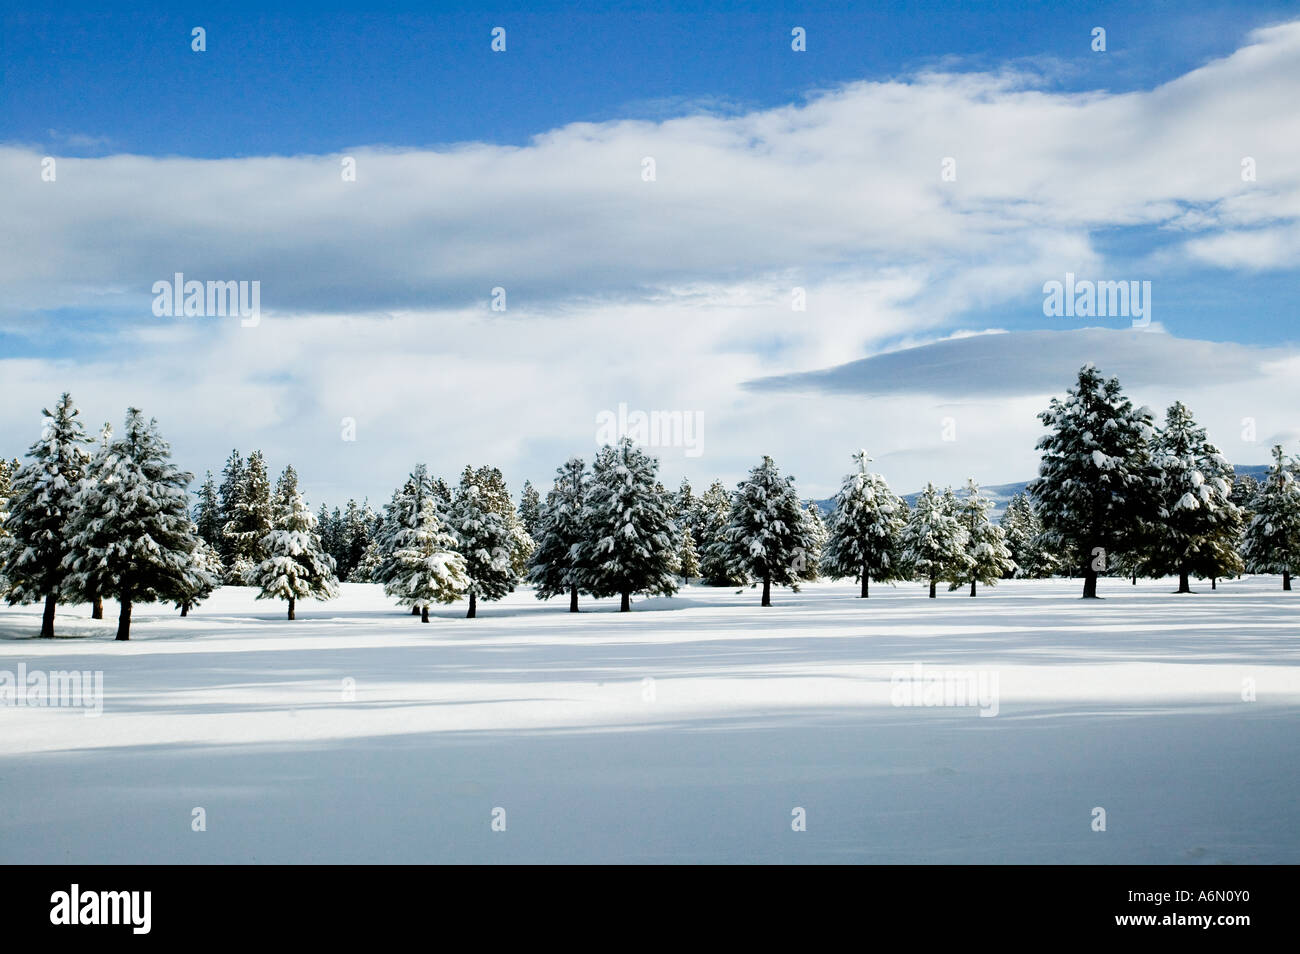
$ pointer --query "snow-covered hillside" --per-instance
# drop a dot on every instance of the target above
(691, 729)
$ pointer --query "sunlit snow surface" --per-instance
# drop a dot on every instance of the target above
(687, 730)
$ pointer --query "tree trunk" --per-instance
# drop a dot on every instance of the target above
(185, 610)
(625, 604)
(863, 595)
(1089, 583)
(573, 597)
(473, 606)
(1184, 584)
(1214, 582)
(1286, 585)
(291, 616)
(1135, 577)
(932, 583)
(415, 611)
(124, 619)
(97, 607)
(767, 591)
(972, 587)
(424, 614)
(47, 619)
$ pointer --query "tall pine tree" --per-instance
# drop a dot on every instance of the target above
(934, 541)
(988, 557)
(41, 506)
(767, 536)
(1097, 484)
(131, 536)
(630, 541)
(429, 570)
(295, 565)
(555, 566)
(865, 529)
(483, 538)
(1199, 524)
(1272, 538)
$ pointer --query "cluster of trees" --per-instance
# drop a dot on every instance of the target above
(82, 519)
(85, 520)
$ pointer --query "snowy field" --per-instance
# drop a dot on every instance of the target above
(686, 731)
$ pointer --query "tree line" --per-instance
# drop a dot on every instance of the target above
(1116, 494)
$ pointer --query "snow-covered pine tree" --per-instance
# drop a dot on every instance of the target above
(230, 497)
(295, 566)
(709, 527)
(530, 509)
(1023, 533)
(816, 534)
(131, 535)
(202, 576)
(7, 472)
(429, 570)
(41, 506)
(1272, 538)
(353, 533)
(686, 507)
(688, 560)
(933, 541)
(484, 539)
(1199, 524)
(767, 534)
(865, 529)
(555, 567)
(1096, 490)
(207, 513)
(988, 557)
(492, 485)
(402, 513)
(253, 519)
(630, 541)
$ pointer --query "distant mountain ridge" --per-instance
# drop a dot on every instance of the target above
(1001, 494)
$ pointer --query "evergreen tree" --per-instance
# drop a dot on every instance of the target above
(530, 509)
(934, 542)
(400, 514)
(131, 535)
(230, 503)
(988, 557)
(41, 505)
(484, 539)
(767, 535)
(7, 471)
(295, 566)
(1096, 492)
(327, 528)
(1199, 524)
(865, 529)
(104, 448)
(253, 519)
(1024, 538)
(687, 507)
(429, 570)
(555, 567)
(709, 527)
(353, 533)
(688, 561)
(1272, 538)
(629, 542)
(207, 513)
(815, 530)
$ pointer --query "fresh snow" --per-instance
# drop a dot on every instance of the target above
(687, 730)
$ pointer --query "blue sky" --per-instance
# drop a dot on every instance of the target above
(521, 169)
